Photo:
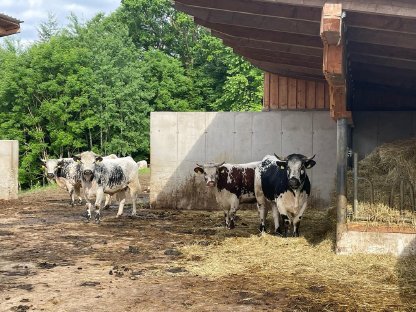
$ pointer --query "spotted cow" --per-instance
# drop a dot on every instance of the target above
(111, 176)
(234, 184)
(283, 184)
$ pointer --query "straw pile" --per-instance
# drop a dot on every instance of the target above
(385, 167)
(307, 267)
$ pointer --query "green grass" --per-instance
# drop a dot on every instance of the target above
(144, 171)
(38, 188)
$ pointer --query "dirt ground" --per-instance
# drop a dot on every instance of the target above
(52, 260)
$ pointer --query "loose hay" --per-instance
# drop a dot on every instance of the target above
(385, 167)
(310, 270)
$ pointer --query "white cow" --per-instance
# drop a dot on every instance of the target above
(111, 176)
(142, 164)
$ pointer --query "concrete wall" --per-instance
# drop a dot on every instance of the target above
(9, 162)
(180, 140)
(398, 244)
(372, 129)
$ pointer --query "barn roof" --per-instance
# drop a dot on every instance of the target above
(283, 37)
(8, 25)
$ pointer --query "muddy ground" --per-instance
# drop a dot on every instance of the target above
(52, 260)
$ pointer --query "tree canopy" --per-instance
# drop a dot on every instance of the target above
(92, 85)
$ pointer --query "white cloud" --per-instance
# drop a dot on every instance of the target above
(33, 12)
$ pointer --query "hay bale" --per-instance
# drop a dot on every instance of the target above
(385, 167)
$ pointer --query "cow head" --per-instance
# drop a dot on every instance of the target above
(87, 161)
(210, 171)
(295, 166)
(51, 166)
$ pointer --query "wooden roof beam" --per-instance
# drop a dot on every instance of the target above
(266, 8)
(266, 35)
(7, 32)
(267, 45)
(280, 58)
(333, 59)
(251, 20)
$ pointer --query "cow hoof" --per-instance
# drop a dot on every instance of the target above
(231, 225)
(118, 216)
(80, 203)
(277, 233)
(106, 207)
(262, 228)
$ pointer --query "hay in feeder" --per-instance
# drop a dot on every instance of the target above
(385, 167)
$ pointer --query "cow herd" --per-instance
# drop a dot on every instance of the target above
(96, 175)
(281, 185)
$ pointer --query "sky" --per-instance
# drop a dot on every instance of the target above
(33, 12)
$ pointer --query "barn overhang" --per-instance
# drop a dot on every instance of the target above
(372, 42)
(9, 25)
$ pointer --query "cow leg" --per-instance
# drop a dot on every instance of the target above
(88, 202)
(72, 197)
(77, 189)
(276, 219)
(133, 195)
(262, 209)
(226, 218)
(107, 201)
(296, 220)
(98, 201)
(121, 196)
(233, 209)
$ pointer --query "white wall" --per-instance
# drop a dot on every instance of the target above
(179, 140)
(9, 162)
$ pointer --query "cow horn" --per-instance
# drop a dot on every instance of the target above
(199, 165)
(219, 165)
(278, 157)
(311, 157)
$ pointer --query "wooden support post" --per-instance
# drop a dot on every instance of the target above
(333, 59)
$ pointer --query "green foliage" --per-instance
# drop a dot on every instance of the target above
(92, 86)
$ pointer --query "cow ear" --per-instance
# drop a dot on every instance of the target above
(76, 157)
(198, 170)
(98, 158)
(280, 162)
(60, 162)
(43, 161)
(222, 169)
(310, 163)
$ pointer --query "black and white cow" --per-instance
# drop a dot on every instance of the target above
(111, 176)
(234, 184)
(67, 175)
(283, 184)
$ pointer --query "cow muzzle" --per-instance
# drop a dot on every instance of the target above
(50, 175)
(211, 183)
(87, 172)
(294, 183)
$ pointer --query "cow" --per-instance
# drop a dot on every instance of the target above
(111, 176)
(283, 184)
(67, 175)
(142, 164)
(234, 184)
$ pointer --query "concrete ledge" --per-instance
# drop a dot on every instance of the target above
(398, 244)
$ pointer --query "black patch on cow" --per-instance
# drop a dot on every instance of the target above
(236, 180)
(109, 176)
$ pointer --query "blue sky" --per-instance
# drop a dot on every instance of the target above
(33, 12)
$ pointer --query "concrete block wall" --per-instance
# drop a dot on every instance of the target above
(9, 164)
(180, 140)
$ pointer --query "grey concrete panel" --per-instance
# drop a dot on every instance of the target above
(296, 133)
(220, 137)
(365, 133)
(9, 164)
(191, 136)
(267, 139)
(393, 126)
(243, 138)
(163, 143)
(324, 141)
